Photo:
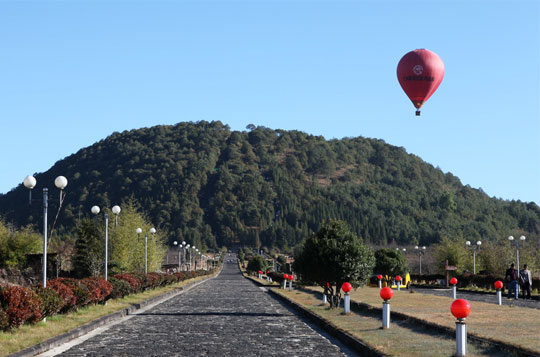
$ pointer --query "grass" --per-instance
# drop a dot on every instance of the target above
(30, 335)
(508, 324)
(402, 339)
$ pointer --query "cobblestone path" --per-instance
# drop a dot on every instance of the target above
(225, 316)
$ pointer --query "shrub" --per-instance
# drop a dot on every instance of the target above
(21, 305)
(134, 284)
(153, 280)
(81, 291)
(144, 282)
(120, 288)
(4, 320)
(65, 292)
(51, 302)
(104, 286)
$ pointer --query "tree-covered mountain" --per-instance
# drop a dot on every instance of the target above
(206, 184)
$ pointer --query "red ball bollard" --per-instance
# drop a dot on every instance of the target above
(461, 308)
(285, 277)
(260, 274)
(380, 280)
(291, 277)
(386, 294)
(346, 287)
(498, 286)
(453, 282)
(398, 282)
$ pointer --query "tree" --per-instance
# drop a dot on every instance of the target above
(15, 244)
(257, 263)
(390, 262)
(333, 256)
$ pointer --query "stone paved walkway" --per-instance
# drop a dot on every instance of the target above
(225, 316)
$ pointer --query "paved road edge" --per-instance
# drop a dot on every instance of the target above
(92, 325)
(343, 336)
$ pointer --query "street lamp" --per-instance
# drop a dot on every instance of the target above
(60, 182)
(139, 231)
(116, 210)
(95, 210)
(474, 247)
(420, 252)
(522, 239)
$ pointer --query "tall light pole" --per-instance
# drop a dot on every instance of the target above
(60, 182)
(95, 210)
(474, 247)
(420, 252)
(187, 251)
(517, 243)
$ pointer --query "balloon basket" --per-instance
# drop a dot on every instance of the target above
(417, 113)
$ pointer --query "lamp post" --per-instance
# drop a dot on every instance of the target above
(420, 252)
(153, 232)
(517, 243)
(60, 182)
(116, 210)
(185, 258)
(474, 247)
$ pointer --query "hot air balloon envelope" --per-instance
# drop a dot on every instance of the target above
(420, 72)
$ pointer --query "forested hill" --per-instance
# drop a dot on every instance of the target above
(207, 184)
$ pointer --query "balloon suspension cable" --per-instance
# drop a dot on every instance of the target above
(418, 113)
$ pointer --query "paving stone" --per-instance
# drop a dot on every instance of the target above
(225, 316)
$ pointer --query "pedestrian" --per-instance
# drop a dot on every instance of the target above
(525, 280)
(511, 278)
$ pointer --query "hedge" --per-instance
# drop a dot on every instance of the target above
(20, 305)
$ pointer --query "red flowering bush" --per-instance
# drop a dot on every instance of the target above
(21, 305)
(133, 283)
(153, 280)
(65, 292)
(144, 282)
(51, 302)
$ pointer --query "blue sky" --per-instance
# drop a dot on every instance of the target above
(73, 72)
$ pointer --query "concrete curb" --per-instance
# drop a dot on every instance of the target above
(342, 335)
(92, 325)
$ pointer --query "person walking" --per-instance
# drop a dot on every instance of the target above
(511, 278)
(525, 280)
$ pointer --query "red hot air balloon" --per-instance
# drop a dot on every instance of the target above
(420, 72)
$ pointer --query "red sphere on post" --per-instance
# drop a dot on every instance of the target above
(398, 278)
(268, 272)
(327, 284)
(453, 281)
(285, 276)
(260, 272)
(460, 308)
(498, 284)
(379, 277)
(346, 287)
(291, 277)
(386, 293)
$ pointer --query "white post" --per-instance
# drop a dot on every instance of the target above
(106, 243)
(380, 284)
(386, 315)
(461, 338)
(45, 205)
(347, 303)
(398, 283)
(324, 299)
(290, 284)
(454, 292)
(145, 253)
(499, 297)
(284, 284)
